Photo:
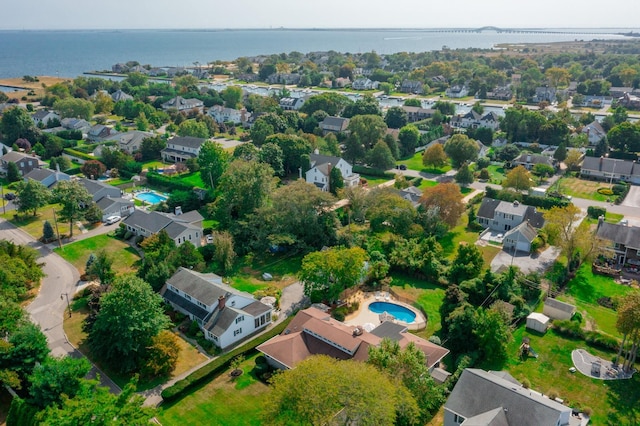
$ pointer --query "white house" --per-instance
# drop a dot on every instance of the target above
(115, 207)
(43, 117)
(320, 170)
(182, 104)
(229, 115)
(292, 104)
(225, 315)
(364, 84)
(474, 120)
(180, 227)
(130, 142)
(182, 148)
(457, 91)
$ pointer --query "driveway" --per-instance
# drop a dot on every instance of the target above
(526, 262)
(633, 197)
(293, 298)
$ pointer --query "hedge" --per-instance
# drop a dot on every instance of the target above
(372, 172)
(220, 364)
(154, 178)
(595, 212)
(78, 154)
(530, 200)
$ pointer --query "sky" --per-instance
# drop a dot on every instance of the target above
(217, 14)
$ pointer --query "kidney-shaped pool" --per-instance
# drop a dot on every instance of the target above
(399, 312)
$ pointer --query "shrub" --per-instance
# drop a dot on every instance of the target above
(569, 328)
(435, 340)
(78, 154)
(595, 212)
(537, 244)
(605, 191)
(602, 341)
(552, 394)
(526, 383)
(619, 189)
(371, 171)
(577, 317)
(484, 174)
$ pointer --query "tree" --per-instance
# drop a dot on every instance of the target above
(461, 149)
(328, 273)
(467, 263)
(23, 144)
(329, 102)
(96, 405)
(72, 195)
(213, 161)
(56, 377)
(272, 154)
(380, 157)
(493, 333)
(574, 157)
(224, 253)
(464, 176)
(16, 123)
(409, 137)
(446, 108)
(47, 232)
(104, 103)
(336, 182)
(320, 390)
(519, 179)
(477, 107)
(246, 151)
(414, 102)
(101, 268)
(367, 129)
(293, 149)
(193, 128)
(557, 76)
(162, 355)
(130, 315)
(13, 172)
(560, 153)
(232, 96)
(93, 169)
(543, 170)
(260, 130)
(447, 199)
(150, 148)
(387, 209)
(628, 324)
(563, 228)
(27, 346)
(74, 108)
(363, 106)
(625, 137)
(32, 195)
(396, 118)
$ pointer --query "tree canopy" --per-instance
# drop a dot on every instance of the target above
(461, 149)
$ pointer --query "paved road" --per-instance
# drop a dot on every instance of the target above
(49, 306)
(633, 197)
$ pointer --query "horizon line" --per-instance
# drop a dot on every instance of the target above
(283, 28)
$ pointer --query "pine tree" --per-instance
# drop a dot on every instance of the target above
(47, 232)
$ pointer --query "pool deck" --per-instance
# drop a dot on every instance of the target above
(363, 315)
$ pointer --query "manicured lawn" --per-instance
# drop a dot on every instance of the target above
(32, 225)
(118, 181)
(124, 257)
(222, 401)
(153, 164)
(496, 174)
(427, 295)
(581, 188)
(608, 217)
(415, 163)
(613, 402)
(374, 180)
(193, 179)
(248, 274)
(427, 184)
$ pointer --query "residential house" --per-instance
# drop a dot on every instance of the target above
(411, 194)
(365, 84)
(503, 93)
(99, 132)
(47, 177)
(415, 113)
(547, 94)
(497, 399)
(176, 71)
(630, 101)
(182, 148)
(119, 68)
(528, 161)
(284, 78)
(229, 115)
(115, 207)
(592, 101)
(119, 95)
(130, 142)
(457, 91)
(439, 79)
(291, 104)
(334, 125)
(42, 117)
(182, 104)
(557, 310)
(610, 169)
(320, 171)
(314, 332)
(519, 238)
(473, 120)
(412, 86)
(225, 315)
(624, 242)
(594, 132)
(502, 216)
(26, 163)
(180, 227)
(99, 190)
(76, 124)
(618, 92)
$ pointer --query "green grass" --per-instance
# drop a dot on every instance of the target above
(613, 402)
(581, 188)
(124, 257)
(247, 275)
(608, 217)
(374, 180)
(428, 296)
(496, 174)
(415, 163)
(153, 164)
(222, 401)
(32, 225)
(427, 184)
(193, 179)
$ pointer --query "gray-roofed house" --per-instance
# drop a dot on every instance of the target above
(292, 104)
(225, 315)
(485, 398)
(130, 142)
(334, 125)
(115, 207)
(181, 104)
(76, 124)
(119, 95)
(47, 177)
(320, 170)
(415, 113)
(625, 242)
(99, 132)
(520, 238)
(557, 310)
(412, 86)
(43, 116)
(180, 228)
(610, 169)
(411, 194)
(594, 132)
(182, 148)
(528, 161)
(99, 190)
(457, 91)
(26, 163)
(503, 216)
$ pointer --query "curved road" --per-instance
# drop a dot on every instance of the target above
(49, 306)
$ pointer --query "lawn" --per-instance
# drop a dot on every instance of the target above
(248, 274)
(192, 179)
(32, 225)
(427, 184)
(374, 180)
(153, 164)
(581, 188)
(415, 163)
(608, 217)
(124, 257)
(189, 356)
(428, 296)
(613, 402)
(496, 174)
(222, 401)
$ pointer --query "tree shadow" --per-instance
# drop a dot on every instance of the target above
(623, 397)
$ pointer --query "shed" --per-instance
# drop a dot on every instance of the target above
(556, 309)
(439, 375)
(538, 322)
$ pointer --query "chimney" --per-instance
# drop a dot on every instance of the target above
(178, 210)
(221, 302)
(316, 151)
(600, 221)
(516, 203)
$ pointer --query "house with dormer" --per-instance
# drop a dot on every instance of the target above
(502, 216)
(182, 148)
(130, 142)
(43, 117)
(415, 113)
(291, 104)
(457, 91)
(222, 115)
(594, 131)
(181, 227)
(119, 95)
(364, 84)
(225, 315)
(181, 104)
(321, 166)
(412, 86)
(528, 161)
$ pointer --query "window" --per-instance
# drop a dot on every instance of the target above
(458, 419)
(257, 322)
(186, 296)
(268, 316)
(240, 319)
(262, 320)
(238, 331)
(189, 237)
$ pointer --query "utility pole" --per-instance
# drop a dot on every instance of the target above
(55, 220)
(68, 304)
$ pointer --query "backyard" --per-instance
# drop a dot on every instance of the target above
(428, 296)
(415, 163)
(247, 276)
(124, 256)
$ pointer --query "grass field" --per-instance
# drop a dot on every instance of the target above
(222, 401)
(427, 184)
(32, 225)
(248, 273)
(613, 402)
(193, 179)
(427, 295)
(496, 174)
(124, 257)
(415, 163)
(581, 188)
(374, 180)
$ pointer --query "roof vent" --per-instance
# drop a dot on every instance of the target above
(516, 203)
(358, 331)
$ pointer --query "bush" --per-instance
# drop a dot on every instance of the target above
(577, 317)
(78, 154)
(601, 341)
(537, 244)
(371, 171)
(220, 364)
(605, 191)
(484, 174)
(595, 212)
(526, 383)
(569, 328)
(435, 340)
(619, 189)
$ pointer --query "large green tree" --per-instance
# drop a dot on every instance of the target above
(25, 347)
(331, 103)
(56, 377)
(130, 315)
(193, 128)
(380, 156)
(74, 108)
(409, 137)
(368, 129)
(493, 333)
(625, 137)
(72, 196)
(32, 195)
(467, 263)
(293, 149)
(213, 161)
(396, 118)
(461, 149)
(273, 155)
(15, 124)
(13, 172)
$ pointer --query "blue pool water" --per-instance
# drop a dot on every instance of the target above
(151, 197)
(399, 312)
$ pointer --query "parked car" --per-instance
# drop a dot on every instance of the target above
(9, 196)
(209, 239)
(402, 167)
(111, 220)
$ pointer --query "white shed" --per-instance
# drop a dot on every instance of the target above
(538, 322)
(556, 309)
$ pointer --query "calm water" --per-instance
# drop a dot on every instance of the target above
(71, 53)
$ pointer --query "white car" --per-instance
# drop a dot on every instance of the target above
(111, 220)
(209, 239)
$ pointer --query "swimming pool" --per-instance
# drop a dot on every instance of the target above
(151, 197)
(399, 312)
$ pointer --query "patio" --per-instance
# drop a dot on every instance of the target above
(596, 367)
(365, 316)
